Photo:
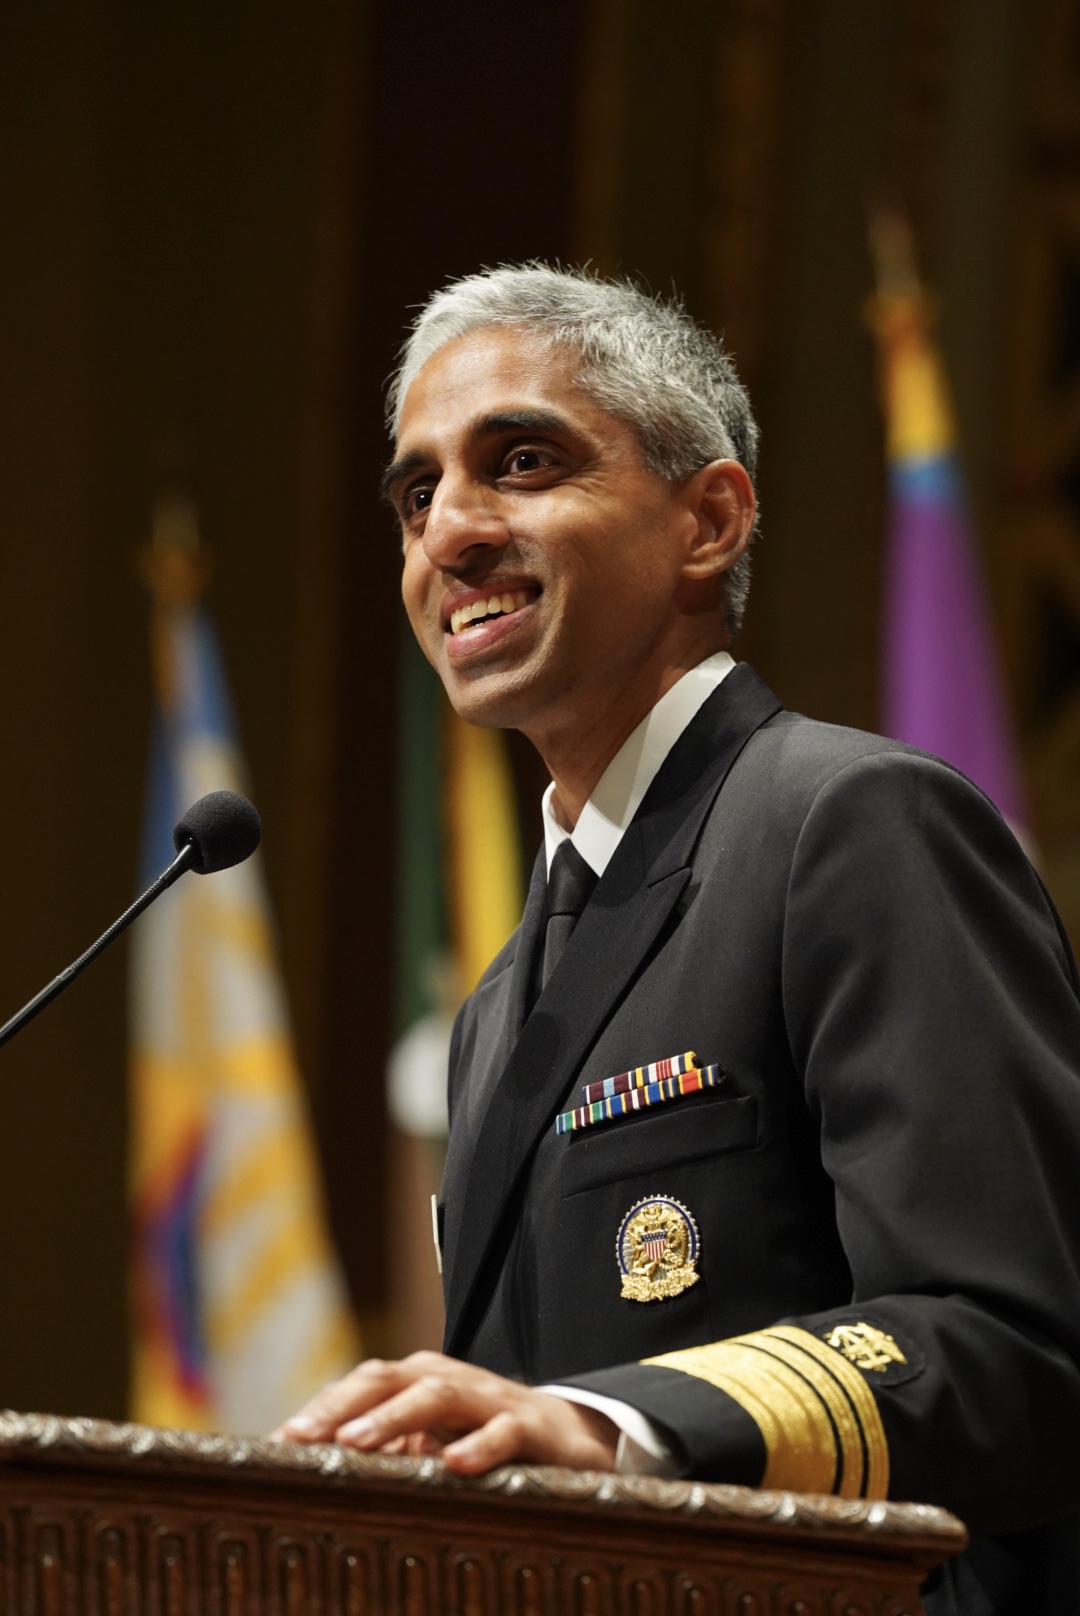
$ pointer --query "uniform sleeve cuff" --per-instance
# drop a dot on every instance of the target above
(710, 1436)
(643, 1449)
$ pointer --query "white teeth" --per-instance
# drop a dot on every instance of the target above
(495, 606)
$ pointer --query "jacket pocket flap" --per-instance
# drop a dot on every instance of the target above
(655, 1140)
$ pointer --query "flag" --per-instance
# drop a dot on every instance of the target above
(483, 846)
(459, 897)
(459, 883)
(239, 1310)
(424, 977)
(942, 685)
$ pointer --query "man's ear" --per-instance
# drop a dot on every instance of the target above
(721, 498)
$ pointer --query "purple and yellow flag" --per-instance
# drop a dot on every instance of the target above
(942, 685)
(239, 1309)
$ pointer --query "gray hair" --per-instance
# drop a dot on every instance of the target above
(642, 358)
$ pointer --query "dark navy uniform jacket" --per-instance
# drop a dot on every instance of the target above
(849, 929)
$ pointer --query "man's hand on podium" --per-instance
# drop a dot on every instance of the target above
(472, 1419)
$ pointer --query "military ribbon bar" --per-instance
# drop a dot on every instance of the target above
(640, 1077)
(637, 1099)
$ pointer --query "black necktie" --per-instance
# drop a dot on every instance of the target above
(569, 888)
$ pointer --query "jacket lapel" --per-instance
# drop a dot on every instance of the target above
(530, 934)
(638, 891)
(500, 1009)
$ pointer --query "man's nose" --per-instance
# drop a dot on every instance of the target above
(464, 522)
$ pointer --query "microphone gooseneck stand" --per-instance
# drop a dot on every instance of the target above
(218, 831)
(186, 859)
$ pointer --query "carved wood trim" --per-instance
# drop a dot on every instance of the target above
(49, 1439)
(102, 1519)
(105, 1520)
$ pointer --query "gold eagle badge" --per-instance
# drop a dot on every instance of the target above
(657, 1249)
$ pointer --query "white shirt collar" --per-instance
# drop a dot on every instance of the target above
(617, 794)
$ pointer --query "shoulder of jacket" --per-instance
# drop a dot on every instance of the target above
(793, 767)
(811, 753)
(502, 962)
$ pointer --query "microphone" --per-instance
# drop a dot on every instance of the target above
(222, 829)
(219, 830)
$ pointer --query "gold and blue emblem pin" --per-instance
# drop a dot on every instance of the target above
(657, 1248)
(638, 1089)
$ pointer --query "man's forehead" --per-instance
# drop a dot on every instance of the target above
(492, 372)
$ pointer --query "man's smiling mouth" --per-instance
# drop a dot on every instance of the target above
(495, 605)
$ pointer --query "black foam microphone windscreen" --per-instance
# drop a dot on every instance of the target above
(224, 829)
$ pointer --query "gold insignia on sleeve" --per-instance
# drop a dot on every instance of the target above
(817, 1416)
(865, 1346)
(657, 1249)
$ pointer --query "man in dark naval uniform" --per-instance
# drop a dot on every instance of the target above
(764, 1162)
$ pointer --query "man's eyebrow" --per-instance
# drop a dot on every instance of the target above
(488, 426)
(398, 470)
(485, 426)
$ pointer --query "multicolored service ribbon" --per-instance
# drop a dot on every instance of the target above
(639, 1077)
(637, 1099)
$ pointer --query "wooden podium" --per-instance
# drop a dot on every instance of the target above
(114, 1520)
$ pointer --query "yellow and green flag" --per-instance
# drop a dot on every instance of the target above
(459, 883)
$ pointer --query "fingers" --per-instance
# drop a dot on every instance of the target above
(435, 1402)
(495, 1443)
(543, 1428)
(418, 1405)
(416, 1445)
(364, 1387)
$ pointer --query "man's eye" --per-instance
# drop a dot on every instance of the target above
(417, 499)
(522, 461)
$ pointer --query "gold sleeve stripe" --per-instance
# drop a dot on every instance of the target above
(817, 1417)
(852, 1473)
(799, 1437)
(861, 1398)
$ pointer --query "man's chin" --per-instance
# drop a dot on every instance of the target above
(491, 713)
(492, 701)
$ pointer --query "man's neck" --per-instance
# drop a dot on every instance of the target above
(577, 756)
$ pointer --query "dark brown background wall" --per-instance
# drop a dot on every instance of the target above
(214, 220)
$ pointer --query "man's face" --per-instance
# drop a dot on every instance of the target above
(541, 558)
